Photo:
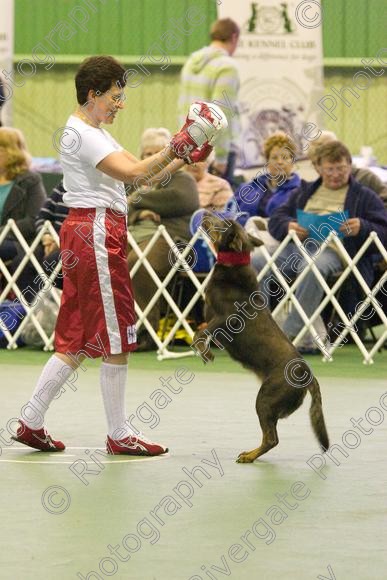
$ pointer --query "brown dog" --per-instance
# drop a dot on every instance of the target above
(239, 321)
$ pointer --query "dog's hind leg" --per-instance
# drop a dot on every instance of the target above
(269, 438)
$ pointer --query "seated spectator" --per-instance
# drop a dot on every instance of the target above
(48, 255)
(55, 211)
(268, 191)
(363, 175)
(171, 205)
(335, 190)
(214, 191)
(22, 193)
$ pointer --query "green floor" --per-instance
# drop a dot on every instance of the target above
(336, 526)
(347, 361)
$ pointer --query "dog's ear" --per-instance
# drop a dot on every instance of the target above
(236, 243)
(211, 224)
(210, 217)
(255, 241)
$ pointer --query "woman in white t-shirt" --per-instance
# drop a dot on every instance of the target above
(96, 316)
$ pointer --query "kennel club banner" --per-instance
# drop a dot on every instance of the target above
(280, 62)
(6, 55)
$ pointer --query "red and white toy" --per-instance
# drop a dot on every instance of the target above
(203, 124)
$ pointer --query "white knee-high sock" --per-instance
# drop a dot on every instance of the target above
(113, 385)
(52, 378)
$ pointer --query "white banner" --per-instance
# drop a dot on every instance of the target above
(280, 61)
(6, 57)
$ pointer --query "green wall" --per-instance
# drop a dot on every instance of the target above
(352, 29)
(119, 27)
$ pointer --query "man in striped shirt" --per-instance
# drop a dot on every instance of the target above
(211, 74)
(54, 209)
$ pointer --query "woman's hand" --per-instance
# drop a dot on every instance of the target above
(351, 227)
(301, 232)
(49, 244)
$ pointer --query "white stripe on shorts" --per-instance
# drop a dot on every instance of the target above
(105, 284)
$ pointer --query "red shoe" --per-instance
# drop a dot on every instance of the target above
(37, 438)
(133, 445)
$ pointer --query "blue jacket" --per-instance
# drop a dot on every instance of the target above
(256, 199)
(360, 202)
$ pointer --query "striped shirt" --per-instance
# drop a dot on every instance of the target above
(54, 210)
(210, 74)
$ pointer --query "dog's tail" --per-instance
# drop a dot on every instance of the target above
(317, 417)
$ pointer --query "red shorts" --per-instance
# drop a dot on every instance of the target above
(96, 314)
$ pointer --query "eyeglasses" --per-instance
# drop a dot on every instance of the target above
(116, 98)
(340, 170)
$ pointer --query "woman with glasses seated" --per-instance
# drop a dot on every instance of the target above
(335, 191)
(363, 175)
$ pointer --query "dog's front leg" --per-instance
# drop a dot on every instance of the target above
(201, 345)
(202, 340)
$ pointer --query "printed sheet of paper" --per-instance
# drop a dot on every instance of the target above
(320, 226)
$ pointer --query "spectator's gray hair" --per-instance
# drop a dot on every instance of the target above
(324, 137)
(155, 137)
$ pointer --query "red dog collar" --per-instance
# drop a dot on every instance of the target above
(233, 258)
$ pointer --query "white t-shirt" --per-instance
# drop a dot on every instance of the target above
(82, 148)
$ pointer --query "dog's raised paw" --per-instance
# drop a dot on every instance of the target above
(209, 357)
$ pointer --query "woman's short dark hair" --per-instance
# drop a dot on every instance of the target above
(98, 73)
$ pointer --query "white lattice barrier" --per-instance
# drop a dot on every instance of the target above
(47, 283)
(350, 266)
(180, 264)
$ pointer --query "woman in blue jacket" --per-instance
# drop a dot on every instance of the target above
(272, 186)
